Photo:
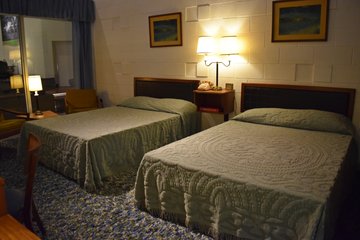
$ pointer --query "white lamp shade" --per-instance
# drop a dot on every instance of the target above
(206, 45)
(35, 83)
(16, 82)
(229, 45)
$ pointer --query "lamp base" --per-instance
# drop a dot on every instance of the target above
(38, 112)
(217, 88)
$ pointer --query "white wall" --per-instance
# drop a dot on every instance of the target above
(122, 51)
(34, 47)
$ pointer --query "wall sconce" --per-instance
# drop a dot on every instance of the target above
(228, 45)
(35, 86)
(16, 82)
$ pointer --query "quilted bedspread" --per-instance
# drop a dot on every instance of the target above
(245, 180)
(91, 146)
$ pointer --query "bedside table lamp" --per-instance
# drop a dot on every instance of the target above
(35, 86)
(16, 82)
(228, 45)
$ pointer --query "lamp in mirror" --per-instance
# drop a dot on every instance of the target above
(35, 86)
(14, 56)
(16, 82)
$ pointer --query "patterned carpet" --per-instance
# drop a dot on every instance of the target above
(70, 213)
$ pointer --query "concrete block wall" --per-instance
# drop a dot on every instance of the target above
(122, 48)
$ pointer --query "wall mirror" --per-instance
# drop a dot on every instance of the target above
(48, 46)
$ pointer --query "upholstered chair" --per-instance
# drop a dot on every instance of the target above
(79, 100)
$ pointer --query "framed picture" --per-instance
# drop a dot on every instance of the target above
(229, 86)
(299, 20)
(165, 30)
(10, 30)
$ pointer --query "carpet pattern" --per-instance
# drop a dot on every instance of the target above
(69, 212)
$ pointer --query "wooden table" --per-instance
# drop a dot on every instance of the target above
(33, 116)
(10, 229)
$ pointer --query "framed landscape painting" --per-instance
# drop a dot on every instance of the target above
(165, 30)
(299, 20)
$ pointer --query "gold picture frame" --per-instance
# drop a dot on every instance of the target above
(299, 20)
(165, 30)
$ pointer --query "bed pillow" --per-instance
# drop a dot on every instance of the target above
(170, 105)
(299, 118)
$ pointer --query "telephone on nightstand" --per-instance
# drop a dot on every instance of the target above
(205, 85)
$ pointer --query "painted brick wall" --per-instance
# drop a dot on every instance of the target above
(122, 51)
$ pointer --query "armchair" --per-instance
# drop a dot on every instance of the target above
(79, 100)
(9, 127)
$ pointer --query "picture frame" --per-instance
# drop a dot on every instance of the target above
(165, 30)
(299, 20)
(10, 30)
(229, 86)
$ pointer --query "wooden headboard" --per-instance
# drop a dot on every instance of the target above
(257, 95)
(165, 88)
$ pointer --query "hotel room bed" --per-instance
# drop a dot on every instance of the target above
(94, 145)
(269, 173)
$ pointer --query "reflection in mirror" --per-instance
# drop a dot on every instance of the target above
(16, 82)
(11, 82)
(49, 54)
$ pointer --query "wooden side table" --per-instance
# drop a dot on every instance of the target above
(9, 227)
(212, 101)
(32, 116)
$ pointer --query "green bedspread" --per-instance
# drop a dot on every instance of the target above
(251, 181)
(91, 146)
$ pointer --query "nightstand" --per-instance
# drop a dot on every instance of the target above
(212, 101)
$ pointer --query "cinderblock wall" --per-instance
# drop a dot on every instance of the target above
(122, 48)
